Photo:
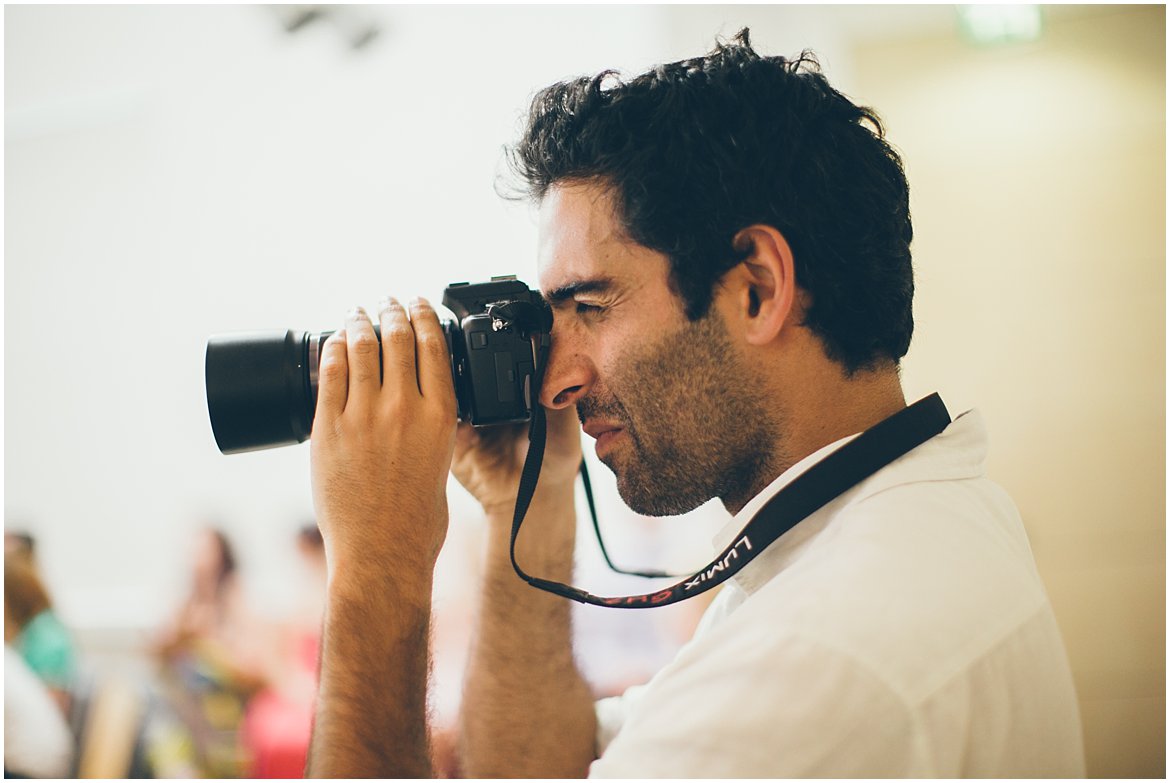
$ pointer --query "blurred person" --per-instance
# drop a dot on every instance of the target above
(20, 543)
(33, 629)
(211, 662)
(311, 548)
(279, 717)
(37, 740)
(213, 600)
(725, 245)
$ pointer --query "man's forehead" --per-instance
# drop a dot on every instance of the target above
(581, 242)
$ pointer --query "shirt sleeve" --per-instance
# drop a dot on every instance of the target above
(791, 708)
(611, 715)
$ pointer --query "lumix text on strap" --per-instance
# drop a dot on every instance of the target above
(840, 471)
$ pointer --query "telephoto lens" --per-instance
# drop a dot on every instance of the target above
(262, 386)
(259, 390)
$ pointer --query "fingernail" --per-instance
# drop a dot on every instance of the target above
(356, 313)
(418, 301)
(387, 301)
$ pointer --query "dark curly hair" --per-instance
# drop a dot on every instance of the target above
(697, 150)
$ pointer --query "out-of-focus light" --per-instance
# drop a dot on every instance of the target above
(988, 25)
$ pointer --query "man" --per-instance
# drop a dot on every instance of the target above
(724, 242)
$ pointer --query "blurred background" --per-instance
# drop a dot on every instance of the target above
(172, 172)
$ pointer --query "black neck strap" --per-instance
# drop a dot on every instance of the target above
(846, 467)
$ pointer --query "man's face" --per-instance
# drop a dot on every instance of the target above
(673, 406)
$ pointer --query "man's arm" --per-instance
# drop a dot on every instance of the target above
(526, 710)
(381, 448)
(370, 719)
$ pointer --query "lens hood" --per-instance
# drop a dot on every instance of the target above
(258, 392)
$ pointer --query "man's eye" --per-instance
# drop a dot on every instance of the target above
(588, 309)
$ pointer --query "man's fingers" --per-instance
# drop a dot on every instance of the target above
(563, 420)
(410, 360)
(564, 433)
(501, 437)
(332, 378)
(399, 375)
(434, 361)
(362, 353)
(464, 438)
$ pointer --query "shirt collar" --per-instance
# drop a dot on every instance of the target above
(959, 451)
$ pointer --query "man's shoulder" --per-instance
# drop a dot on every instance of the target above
(915, 582)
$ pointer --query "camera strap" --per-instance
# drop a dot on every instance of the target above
(846, 467)
(588, 486)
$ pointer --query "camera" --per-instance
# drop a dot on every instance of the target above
(262, 386)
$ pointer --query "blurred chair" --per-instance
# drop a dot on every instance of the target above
(110, 729)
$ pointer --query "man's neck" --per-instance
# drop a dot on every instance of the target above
(827, 407)
(832, 411)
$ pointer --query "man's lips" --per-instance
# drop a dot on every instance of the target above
(604, 432)
(595, 429)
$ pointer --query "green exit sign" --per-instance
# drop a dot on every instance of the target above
(988, 25)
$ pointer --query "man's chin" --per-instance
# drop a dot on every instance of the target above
(633, 494)
(640, 486)
(646, 497)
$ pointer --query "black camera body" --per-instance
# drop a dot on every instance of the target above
(494, 364)
(262, 386)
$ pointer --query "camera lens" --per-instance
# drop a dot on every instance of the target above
(262, 386)
(259, 393)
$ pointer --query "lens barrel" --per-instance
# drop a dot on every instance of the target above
(262, 386)
(259, 393)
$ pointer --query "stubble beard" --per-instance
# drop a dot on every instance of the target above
(699, 426)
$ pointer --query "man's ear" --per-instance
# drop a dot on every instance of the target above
(765, 293)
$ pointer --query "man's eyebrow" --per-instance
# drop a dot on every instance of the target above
(559, 296)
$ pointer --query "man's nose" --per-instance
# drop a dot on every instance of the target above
(567, 378)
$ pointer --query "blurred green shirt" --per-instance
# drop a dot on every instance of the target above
(47, 648)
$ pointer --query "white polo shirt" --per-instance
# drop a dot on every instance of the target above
(902, 630)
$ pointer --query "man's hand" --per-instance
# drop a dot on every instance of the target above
(488, 461)
(381, 448)
(383, 439)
